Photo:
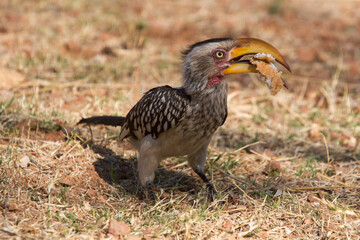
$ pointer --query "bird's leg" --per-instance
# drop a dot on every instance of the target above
(150, 191)
(148, 162)
(197, 161)
(209, 185)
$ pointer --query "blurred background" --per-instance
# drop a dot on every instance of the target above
(67, 59)
(113, 40)
(73, 58)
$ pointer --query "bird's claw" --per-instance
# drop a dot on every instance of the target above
(211, 191)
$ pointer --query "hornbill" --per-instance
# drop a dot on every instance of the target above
(168, 121)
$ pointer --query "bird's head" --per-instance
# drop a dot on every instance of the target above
(206, 63)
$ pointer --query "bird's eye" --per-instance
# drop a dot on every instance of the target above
(219, 54)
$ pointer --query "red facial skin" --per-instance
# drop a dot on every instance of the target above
(222, 64)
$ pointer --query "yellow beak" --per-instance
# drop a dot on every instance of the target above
(247, 46)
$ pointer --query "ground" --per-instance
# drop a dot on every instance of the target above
(285, 166)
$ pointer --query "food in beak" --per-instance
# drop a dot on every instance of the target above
(269, 73)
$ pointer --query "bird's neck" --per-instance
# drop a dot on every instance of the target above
(214, 85)
(210, 104)
(202, 93)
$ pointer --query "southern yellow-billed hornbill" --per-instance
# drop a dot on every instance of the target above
(181, 121)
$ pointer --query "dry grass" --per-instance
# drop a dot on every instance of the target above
(287, 166)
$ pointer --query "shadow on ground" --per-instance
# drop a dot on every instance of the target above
(119, 171)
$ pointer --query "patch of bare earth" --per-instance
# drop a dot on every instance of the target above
(286, 166)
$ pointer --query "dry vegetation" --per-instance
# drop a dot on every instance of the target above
(287, 166)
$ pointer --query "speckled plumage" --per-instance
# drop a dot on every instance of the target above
(170, 121)
(157, 111)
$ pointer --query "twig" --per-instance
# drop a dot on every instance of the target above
(356, 145)
(234, 210)
(229, 175)
(246, 146)
(330, 179)
(261, 155)
(292, 214)
(245, 194)
(252, 228)
(317, 188)
(327, 148)
(179, 165)
(6, 207)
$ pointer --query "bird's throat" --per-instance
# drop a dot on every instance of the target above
(215, 80)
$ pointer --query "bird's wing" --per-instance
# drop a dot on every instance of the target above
(157, 111)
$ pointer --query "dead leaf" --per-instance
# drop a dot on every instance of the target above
(11, 206)
(273, 166)
(263, 235)
(67, 181)
(117, 228)
(269, 153)
(312, 198)
(90, 192)
(314, 131)
(308, 220)
(102, 198)
(73, 47)
(227, 225)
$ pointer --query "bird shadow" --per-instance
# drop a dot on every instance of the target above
(122, 172)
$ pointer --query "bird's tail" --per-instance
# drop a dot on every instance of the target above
(105, 120)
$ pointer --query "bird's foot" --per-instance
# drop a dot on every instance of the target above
(211, 191)
(212, 194)
(150, 192)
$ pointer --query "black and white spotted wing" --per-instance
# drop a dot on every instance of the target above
(158, 110)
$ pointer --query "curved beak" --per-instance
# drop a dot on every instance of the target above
(246, 46)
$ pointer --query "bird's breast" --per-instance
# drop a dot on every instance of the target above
(205, 115)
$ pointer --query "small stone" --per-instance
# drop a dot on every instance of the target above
(278, 193)
(24, 162)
